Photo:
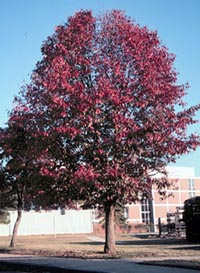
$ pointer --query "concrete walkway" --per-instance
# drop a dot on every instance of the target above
(91, 265)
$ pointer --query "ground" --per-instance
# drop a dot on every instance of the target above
(165, 251)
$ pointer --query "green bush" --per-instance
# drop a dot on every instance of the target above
(4, 217)
(191, 217)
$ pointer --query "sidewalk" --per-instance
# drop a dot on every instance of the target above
(67, 265)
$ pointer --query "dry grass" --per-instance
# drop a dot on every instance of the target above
(85, 246)
(170, 250)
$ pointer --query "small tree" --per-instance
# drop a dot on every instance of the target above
(107, 91)
(17, 171)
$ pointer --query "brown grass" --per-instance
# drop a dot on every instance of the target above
(84, 246)
(171, 251)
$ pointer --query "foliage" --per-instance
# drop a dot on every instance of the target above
(191, 209)
(18, 171)
(4, 217)
(191, 217)
(103, 97)
(16, 166)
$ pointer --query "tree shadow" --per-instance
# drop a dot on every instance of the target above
(192, 247)
(141, 242)
(153, 242)
(87, 243)
(5, 250)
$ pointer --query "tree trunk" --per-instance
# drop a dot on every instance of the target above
(109, 229)
(17, 222)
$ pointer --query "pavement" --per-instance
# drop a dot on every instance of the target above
(69, 265)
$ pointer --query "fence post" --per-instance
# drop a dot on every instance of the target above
(54, 226)
(159, 227)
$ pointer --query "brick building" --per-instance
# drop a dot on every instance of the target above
(146, 214)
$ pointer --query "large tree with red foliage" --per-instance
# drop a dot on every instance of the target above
(106, 92)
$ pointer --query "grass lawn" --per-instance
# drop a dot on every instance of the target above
(91, 246)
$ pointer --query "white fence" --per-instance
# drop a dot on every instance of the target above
(51, 222)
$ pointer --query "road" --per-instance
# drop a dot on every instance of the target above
(81, 265)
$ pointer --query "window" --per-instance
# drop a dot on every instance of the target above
(145, 211)
(191, 188)
(126, 213)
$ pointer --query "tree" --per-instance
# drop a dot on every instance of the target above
(106, 89)
(18, 169)
(23, 186)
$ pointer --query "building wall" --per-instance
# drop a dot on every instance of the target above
(185, 187)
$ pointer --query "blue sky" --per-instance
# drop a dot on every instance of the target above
(25, 24)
